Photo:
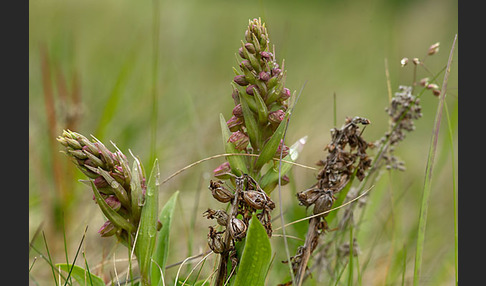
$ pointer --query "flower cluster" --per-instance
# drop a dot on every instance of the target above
(118, 190)
(404, 109)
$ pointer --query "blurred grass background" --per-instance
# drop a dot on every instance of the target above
(91, 70)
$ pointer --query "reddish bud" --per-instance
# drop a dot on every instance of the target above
(276, 117)
(237, 111)
(264, 76)
(222, 171)
(240, 140)
(107, 229)
(234, 123)
(250, 48)
(285, 94)
(241, 80)
(250, 88)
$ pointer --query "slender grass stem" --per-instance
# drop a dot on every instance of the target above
(428, 173)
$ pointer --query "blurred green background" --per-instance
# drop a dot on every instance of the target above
(93, 69)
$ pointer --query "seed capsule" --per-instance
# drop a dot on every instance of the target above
(324, 203)
(220, 216)
(237, 228)
(255, 199)
(215, 241)
(309, 196)
(219, 192)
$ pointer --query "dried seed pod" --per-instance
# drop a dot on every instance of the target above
(237, 228)
(324, 202)
(309, 196)
(255, 199)
(220, 216)
(216, 241)
(219, 192)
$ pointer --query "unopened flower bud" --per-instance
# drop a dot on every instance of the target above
(416, 61)
(241, 53)
(250, 48)
(282, 148)
(107, 229)
(241, 80)
(323, 203)
(276, 71)
(234, 123)
(250, 88)
(237, 228)
(222, 171)
(113, 202)
(264, 76)
(240, 140)
(219, 192)
(238, 111)
(266, 55)
(404, 62)
(247, 65)
(436, 92)
(275, 117)
(285, 94)
(285, 180)
(433, 49)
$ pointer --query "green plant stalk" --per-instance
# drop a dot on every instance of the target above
(428, 173)
(454, 195)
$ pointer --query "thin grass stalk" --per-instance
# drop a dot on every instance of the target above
(50, 259)
(155, 61)
(454, 194)
(428, 174)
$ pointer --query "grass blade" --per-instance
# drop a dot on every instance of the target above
(162, 247)
(428, 173)
(80, 274)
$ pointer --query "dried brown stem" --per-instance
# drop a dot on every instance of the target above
(309, 245)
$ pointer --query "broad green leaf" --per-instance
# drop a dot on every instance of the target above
(270, 179)
(268, 151)
(148, 224)
(162, 245)
(262, 107)
(256, 256)
(82, 276)
(237, 163)
(111, 214)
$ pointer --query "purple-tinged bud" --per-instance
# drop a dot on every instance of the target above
(241, 53)
(235, 96)
(285, 94)
(113, 202)
(276, 117)
(249, 89)
(432, 86)
(247, 65)
(100, 182)
(436, 92)
(284, 180)
(276, 71)
(107, 229)
(235, 123)
(222, 171)
(282, 148)
(238, 111)
(264, 76)
(240, 140)
(241, 80)
(250, 48)
(266, 55)
(434, 49)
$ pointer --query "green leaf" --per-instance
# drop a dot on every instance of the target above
(162, 247)
(256, 256)
(268, 151)
(237, 163)
(148, 224)
(270, 180)
(252, 126)
(82, 276)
